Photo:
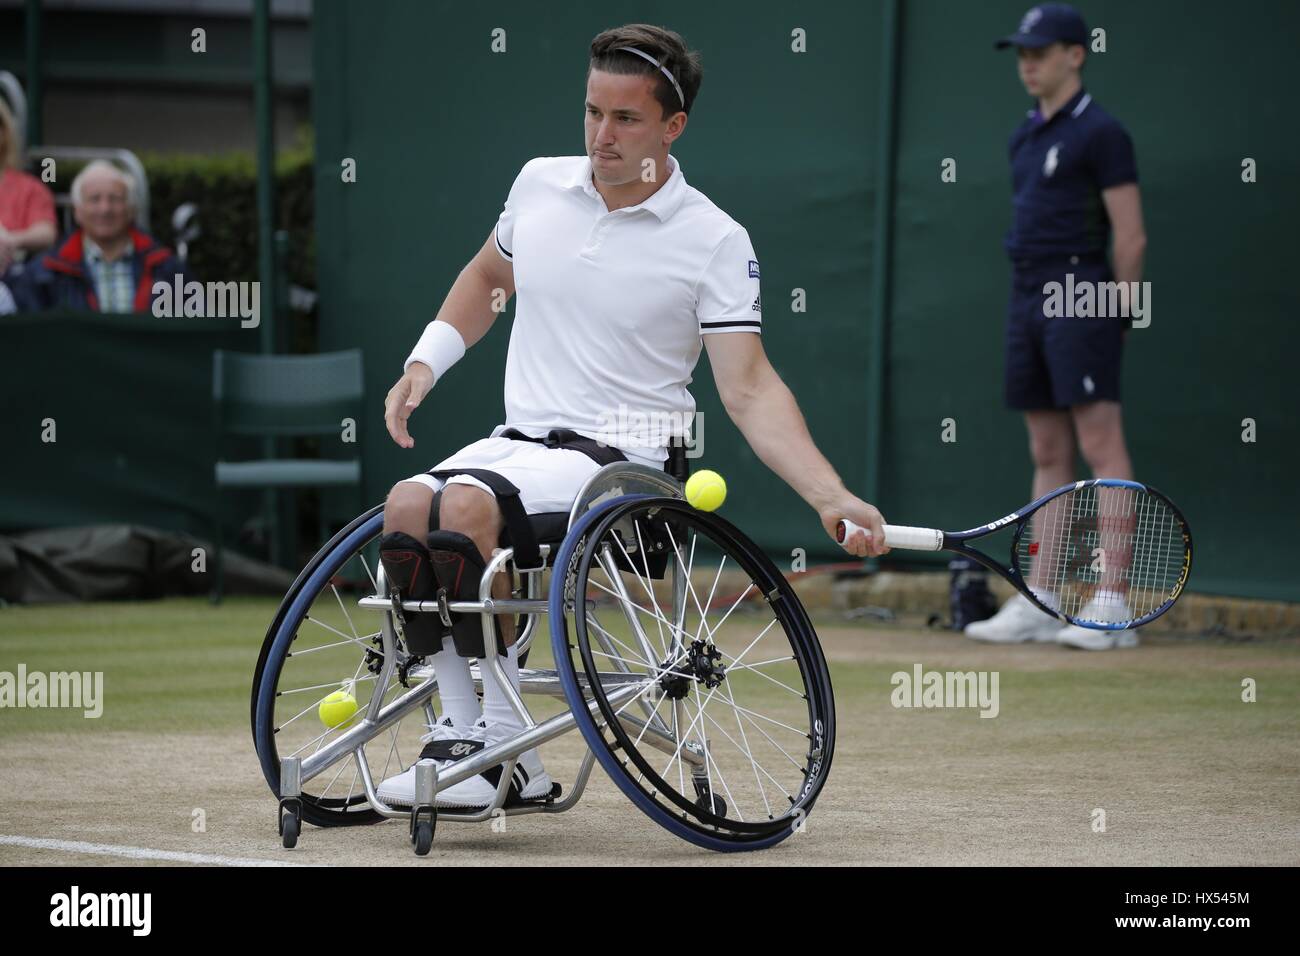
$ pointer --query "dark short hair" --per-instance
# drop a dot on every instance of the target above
(665, 46)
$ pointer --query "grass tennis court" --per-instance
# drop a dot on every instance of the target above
(1158, 738)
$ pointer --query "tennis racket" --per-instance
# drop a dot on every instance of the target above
(1110, 554)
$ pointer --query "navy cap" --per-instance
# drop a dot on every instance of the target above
(1046, 24)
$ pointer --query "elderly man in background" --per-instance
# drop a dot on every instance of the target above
(106, 265)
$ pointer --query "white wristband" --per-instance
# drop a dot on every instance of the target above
(440, 347)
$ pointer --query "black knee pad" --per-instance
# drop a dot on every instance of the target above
(409, 568)
(459, 568)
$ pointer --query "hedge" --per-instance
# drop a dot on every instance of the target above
(224, 187)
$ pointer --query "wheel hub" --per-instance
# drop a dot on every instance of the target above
(675, 685)
(703, 664)
(706, 663)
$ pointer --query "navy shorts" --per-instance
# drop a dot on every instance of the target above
(1057, 362)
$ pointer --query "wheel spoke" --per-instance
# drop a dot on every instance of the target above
(771, 720)
(751, 667)
(392, 751)
(681, 739)
(657, 673)
(347, 640)
(611, 572)
(308, 619)
(690, 567)
(343, 765)
(708, 760)
(730, 698)
(605, 632)
(743, 594)
(757, 766)
(343, 607)
(650, 685)
(638, 607)
(649, 588)
(310, 707)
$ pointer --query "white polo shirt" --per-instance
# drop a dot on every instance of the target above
(610, 306)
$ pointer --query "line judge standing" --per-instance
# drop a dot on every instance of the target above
(1074, 178)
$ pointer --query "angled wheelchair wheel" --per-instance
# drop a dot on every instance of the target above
(693, 670)
(320, 643)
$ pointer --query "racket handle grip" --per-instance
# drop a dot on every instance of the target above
(896, 536)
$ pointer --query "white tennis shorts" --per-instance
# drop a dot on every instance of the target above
(548, 479)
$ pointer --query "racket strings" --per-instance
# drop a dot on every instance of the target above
(1105, 555)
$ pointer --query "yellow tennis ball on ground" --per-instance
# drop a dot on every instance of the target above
(706, 490)
(337, 709)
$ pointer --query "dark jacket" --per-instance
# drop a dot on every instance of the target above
(60, 279)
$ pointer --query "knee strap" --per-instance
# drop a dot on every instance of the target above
(527, 555)
(458, 568)
(408, 567)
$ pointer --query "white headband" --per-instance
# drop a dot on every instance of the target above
(662, 69)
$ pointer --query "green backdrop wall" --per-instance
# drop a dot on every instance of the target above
(108, 419)
(788, 143)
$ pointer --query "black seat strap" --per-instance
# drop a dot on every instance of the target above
(527, 555)
(600, 453)
(678, 465)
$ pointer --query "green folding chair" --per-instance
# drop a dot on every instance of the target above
(283, 396)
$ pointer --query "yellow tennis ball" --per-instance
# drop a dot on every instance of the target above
(337, 709)
(706, 490)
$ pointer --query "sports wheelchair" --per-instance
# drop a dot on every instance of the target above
(679, 651)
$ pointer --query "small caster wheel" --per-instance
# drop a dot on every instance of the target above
(290, 822)
(423, 837)
(707, 800)
(719, 806)
(424, 820)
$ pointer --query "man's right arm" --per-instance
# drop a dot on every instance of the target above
(476, 298)
(479, 294)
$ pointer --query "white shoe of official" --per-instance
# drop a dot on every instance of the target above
(445, 743)
(530, 781)
(1017, 621)
(1106, 606)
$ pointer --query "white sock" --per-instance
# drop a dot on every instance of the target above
(455, 686)
(496, 708)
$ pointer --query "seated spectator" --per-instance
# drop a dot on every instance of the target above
(27, 221)
(106, 265)
(7, 305)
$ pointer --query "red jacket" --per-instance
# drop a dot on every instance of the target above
(62, 280)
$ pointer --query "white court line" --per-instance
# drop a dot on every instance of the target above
(135, 852)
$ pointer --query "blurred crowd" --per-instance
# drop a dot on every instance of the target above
(100, 263)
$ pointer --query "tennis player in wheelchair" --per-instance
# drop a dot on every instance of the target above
(622, 271)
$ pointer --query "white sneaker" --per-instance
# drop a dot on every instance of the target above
(530, 780)
(445, 743)
(1105, 606)
(1018, 621)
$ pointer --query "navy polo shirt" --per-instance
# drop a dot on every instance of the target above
(1058, 171)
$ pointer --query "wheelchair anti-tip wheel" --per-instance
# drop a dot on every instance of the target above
(713, 704)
